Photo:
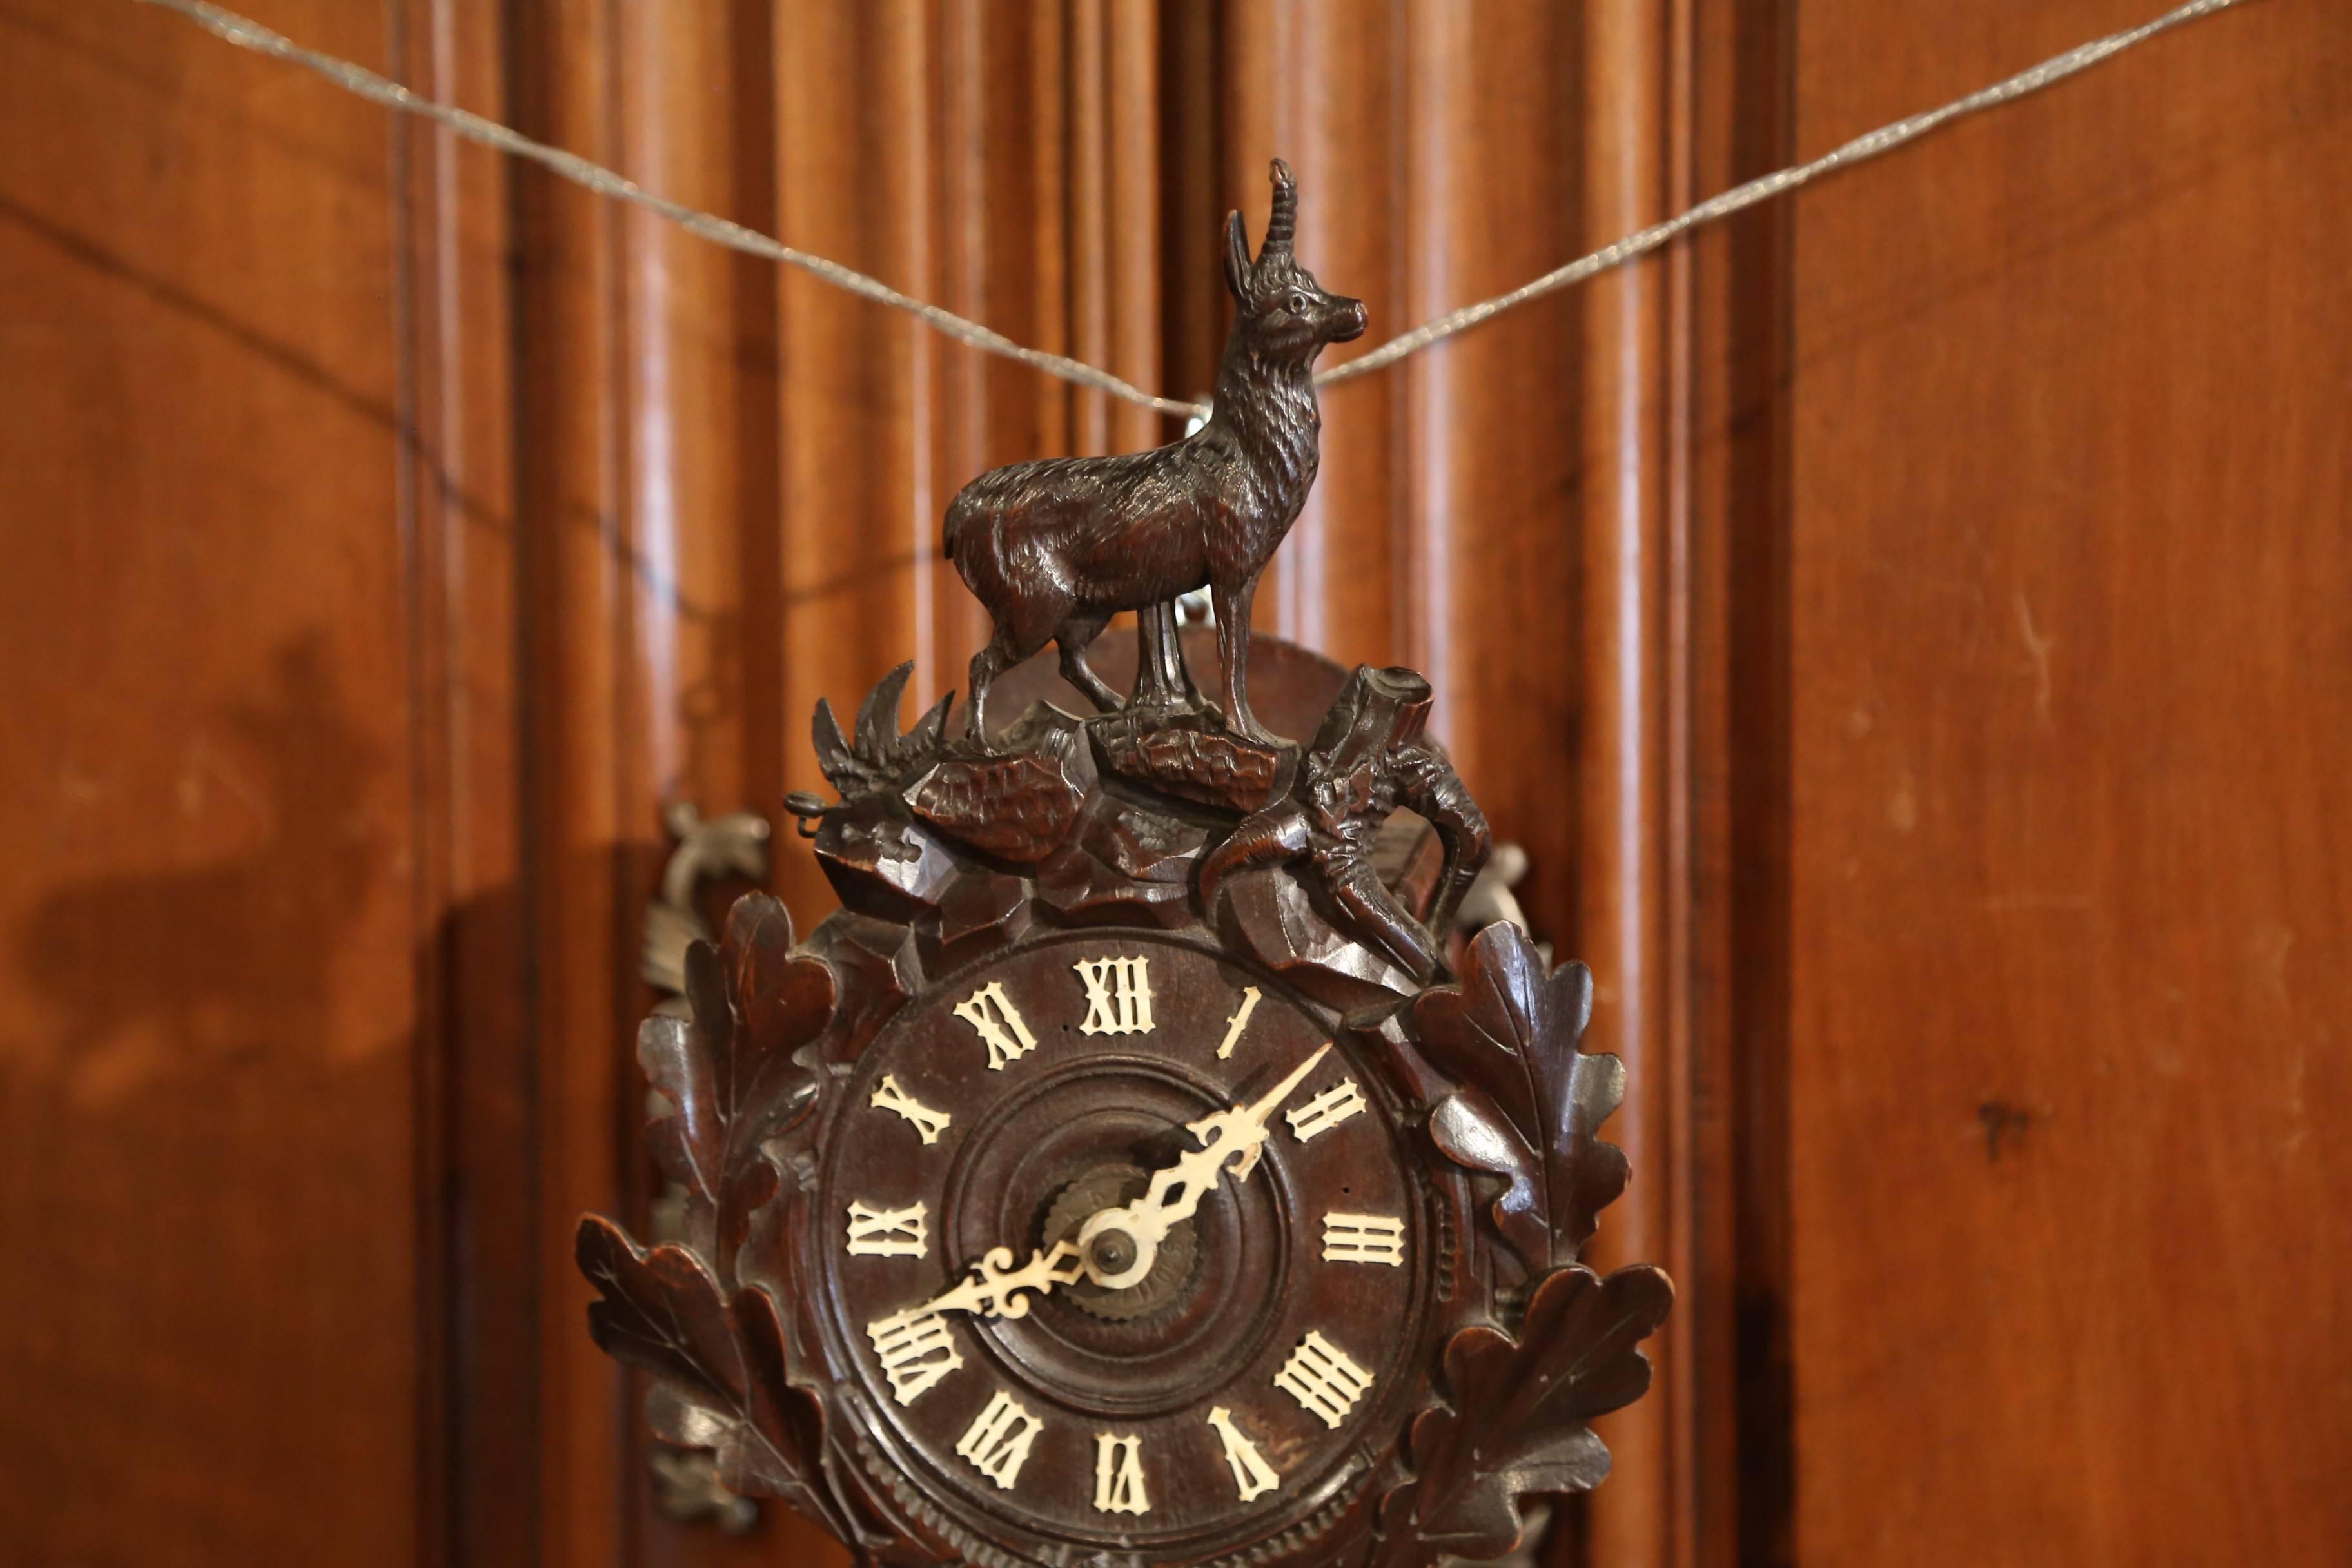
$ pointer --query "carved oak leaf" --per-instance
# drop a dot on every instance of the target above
(1532, 1103)
(664, 1311)
(731, 1070)
(1521, 1408)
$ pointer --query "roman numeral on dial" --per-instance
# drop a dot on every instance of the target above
(1326, 1111)
(1237, 1023)
(916, 1351)
(998, 1440)
(887, 1232)
(991, 1012)
(1118, 1475)
(1252, 1475)
(1363, 1239)
(931, 1123)
(1323, 1379)
(1118, 996)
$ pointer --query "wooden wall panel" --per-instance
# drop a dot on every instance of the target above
(698, 114)
(2071, 689)
(1493, 195)
(209, 1031)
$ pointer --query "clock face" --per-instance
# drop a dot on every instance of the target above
(1233, 1381)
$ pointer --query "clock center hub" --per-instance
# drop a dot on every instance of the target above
(1114, 1253)
(1127, 1277)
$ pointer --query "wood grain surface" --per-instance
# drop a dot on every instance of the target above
(1902, 626)
(2070, 689)
(208, 1043)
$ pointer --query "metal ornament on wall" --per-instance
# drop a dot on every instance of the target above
(705, 855)
(1127, 1173)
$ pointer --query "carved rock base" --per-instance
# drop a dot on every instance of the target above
(1194, 758)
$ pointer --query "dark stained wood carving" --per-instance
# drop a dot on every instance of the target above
(1122, 1174)
(1054, 548)
(1369, 758)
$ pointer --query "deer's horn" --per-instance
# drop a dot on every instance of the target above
(1283, 221)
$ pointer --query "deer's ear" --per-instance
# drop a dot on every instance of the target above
(1237, 256)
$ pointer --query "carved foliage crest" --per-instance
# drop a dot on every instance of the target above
(1518, 1398)
(1518, 1419)
(742, 1090)
(1513, 1106)
(1530, 1104)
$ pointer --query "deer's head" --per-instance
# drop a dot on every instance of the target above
(1281, 313)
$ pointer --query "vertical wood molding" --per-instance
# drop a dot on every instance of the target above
(1111, 73)
(1684, 765)
(1496, 497)
(1088, 91)
(1433, 39)
(1132, 156)
(1624, 931)
(479, 1230)
(570, 440)
(698, 529)
(1190, 96)
(1312, 86)
(1731, 514)
(957, 177)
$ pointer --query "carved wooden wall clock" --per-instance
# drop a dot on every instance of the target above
(1127, 1173)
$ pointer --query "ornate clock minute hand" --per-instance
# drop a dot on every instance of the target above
(1234, 1138)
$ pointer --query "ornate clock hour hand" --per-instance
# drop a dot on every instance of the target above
(994, 1288)
(914, 1346)
(1228, 1138)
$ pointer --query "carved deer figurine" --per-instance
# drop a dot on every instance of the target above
(1054, 548)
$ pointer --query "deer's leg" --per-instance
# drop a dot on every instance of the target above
(986, 665)
(1233, 642)
(1179, 675)
(1003, 652)
(1161, 682)
(1072, 637)
(1151, 694)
